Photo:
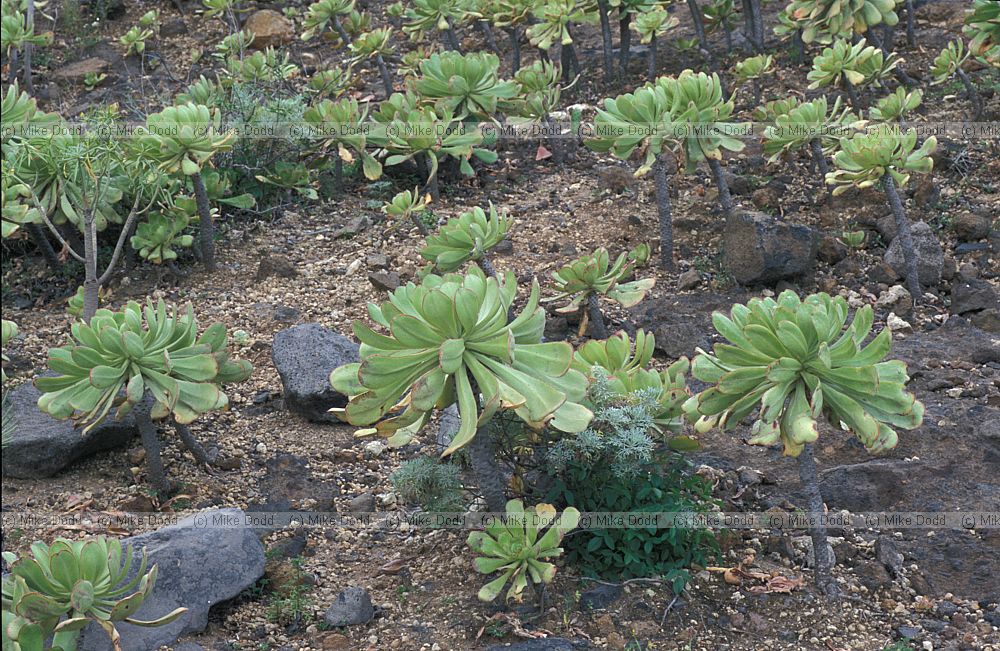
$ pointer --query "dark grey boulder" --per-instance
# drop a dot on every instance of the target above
(972, 295)
(353, 606)
(304, 356)
(930, 255)
(758, 249)
(200, 565)
(41, 446)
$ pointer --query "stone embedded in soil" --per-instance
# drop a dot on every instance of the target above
(304, 356)
(869, 486)
(677, 333)
(41, 446)
(353, 606)
(601, 596)
(269, 28)
(896, 299)
(970, 227)
(688, 280)
(832, 250)
(363, 503)
(971, 295)
(384, 280)
(80, 69)
(930, 256)
(273, 264)
(172, 28)
(199, 567)
(888, 555)
(988, 320)
(759, 249)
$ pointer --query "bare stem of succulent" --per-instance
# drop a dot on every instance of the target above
(206, 227)
(597, 327)
(852, 93)
(905, 236)
(487, 30)
(624, 42)
(911, 24)
(42, 243)
(29, 48)
(606, 44)
(419, 223)
(515, 49)
(822, 551)
(699, 24)
(973, 94)
(192, 444)
(451, 38)
(483, 459)
(383, 70)
(151, 443)
(345, 39)
(651, 62)
(487, 266)
(555, 143)
(725, 197)
(819, 158)
(662, 185)
(756, 92)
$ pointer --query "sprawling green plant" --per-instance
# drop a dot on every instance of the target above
(183, 139)
(466, 86)
(592, 276)
(8, 332)
(822, 21)
(437, 15)
(615, 465)
(327, 13)
(753, 70)
(84, 581)
(810, 124)
(949, 64)
(895, 107)
(14, 209)
(408, 205)
(234, 45)
(791, 361)
(449, 340)
(851, 67)
(511, 16)
(516, 547)
(141, 356)
(982, 26)
(885, 154)
(650, 26)
(468, 237)
(339, 125)
(375, 45)
(721, 13)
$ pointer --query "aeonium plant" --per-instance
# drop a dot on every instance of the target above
(519, 547)
(183, 139)
(886, 155)
(788, 363)
(468, 237)
(61, 588)
(144, 359)
(590, 277)
(449, 340)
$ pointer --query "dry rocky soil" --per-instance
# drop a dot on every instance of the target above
(323, 262)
